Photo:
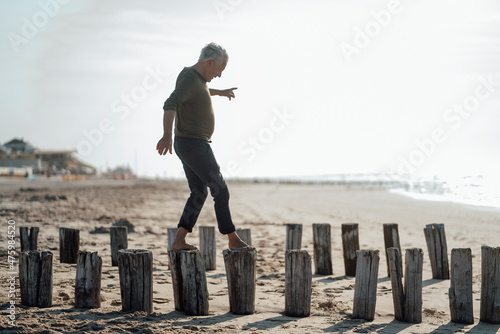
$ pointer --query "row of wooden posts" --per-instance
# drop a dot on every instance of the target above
(135, 268)
(189, 279)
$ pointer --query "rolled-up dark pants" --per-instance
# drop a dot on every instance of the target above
(202, 171)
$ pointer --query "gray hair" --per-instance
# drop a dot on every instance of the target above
(214, 51)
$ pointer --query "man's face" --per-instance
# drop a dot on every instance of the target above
(215, 70)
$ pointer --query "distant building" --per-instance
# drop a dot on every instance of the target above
(21, 155)
(18, 146)
(121, 173)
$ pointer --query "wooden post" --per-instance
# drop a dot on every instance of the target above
(174, 260)
(208, 246)
(413, 285)
(28, 241)
(438, 251)
(391, 239)
(396, 274)
(69, 244)
(35, 278)
(322, 249)
(88, 280)
(461, 286)
(490, 285)
(118, 236)
(293, 236)
(298, 283)
(29, 274)
(46, 279)
(365, 286)
(172, 233)
(189, 282)
(240, 272)
(135, 268)
(350, 244)
(245, 234)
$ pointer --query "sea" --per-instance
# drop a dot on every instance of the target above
(477, 190)
(473, 190)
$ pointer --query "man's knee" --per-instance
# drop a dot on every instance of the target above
(220, 194)
(216, 179)
(199, 196)
(217, 185)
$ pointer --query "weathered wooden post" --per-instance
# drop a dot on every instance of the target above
(118, 236)
(175, 271)
(407, 300)
(322, 249)
(28, 241)
(365, 285)
(88, 280)
(172, 233)
(350, 244)
(298, 283)
(490, 285)
(438, 251)
(240, 272)
(189, 282)
(35, 278)
(460, 292)
(293, 236)
(413, 285)
(396, 274)
(391, 239)
(208, 246)
(135, 268)
(245, 235)
(69, 244)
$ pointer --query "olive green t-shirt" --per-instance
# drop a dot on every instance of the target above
(191, 100)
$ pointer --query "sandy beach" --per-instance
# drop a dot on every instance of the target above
(152, 206)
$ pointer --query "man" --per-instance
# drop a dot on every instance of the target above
(190, 105)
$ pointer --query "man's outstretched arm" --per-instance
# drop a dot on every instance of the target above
(165, 143)
(224, 92)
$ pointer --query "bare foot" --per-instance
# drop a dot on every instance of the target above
(180, 241)
(182, 246)
(238, 244)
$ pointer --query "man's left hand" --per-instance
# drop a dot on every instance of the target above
(228, 92)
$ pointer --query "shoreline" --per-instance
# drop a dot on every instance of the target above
(448, 199)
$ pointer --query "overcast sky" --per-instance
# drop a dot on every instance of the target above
(324, 87)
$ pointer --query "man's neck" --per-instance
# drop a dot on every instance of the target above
(198, 67)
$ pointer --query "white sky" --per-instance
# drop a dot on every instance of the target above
(363, 115)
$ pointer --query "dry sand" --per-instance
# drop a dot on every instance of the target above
(152, 206)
